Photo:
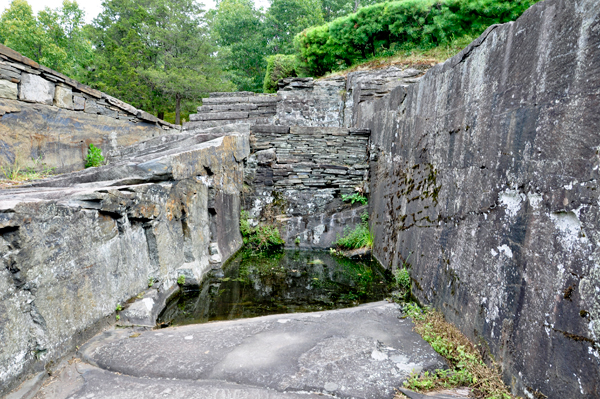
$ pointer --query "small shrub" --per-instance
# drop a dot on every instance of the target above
(94, 157)
(181, 280)
(119, 307)
(150, 281)
(259, 238)
(279, 66)
(384, 28)
(360, 237)
(355, 197)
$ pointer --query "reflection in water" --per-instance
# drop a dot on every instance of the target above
(284, 282)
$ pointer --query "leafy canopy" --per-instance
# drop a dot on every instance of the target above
(55, 38)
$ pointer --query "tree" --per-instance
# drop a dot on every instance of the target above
(65, 27)
(286, 18)
(239, 31)
(55, 38)
(120, 53)
(21, 31)
(185, 67)
(155, 54)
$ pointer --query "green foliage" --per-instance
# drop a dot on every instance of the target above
(17, 172)
(239, 30)
(94, 157)
(360, 237)
(399, 25)
(118, 308)
(286, 18)
(402, 277)
(466, 365)
(156, 56)
(355, 197)
(181, 280)
(279, 66)
(151, 281)
(259, 238)
(55, 38)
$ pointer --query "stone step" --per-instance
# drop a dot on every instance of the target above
(243, 100)
(232, 94)
(218, 116)
(227, 107)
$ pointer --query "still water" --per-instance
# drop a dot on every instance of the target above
(283, 282)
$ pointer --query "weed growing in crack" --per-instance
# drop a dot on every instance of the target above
(94, 157)
(466, 365)
(360, 237)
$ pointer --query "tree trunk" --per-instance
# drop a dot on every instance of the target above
(356, 5)
(161, 115)
(177, 109)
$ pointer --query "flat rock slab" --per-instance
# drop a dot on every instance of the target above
(361, 352)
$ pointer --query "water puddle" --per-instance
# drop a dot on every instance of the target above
(285, 282)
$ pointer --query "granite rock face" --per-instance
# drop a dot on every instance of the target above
(75, 246)
(60, 137)
(484, 176)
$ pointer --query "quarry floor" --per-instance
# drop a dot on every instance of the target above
(361, 352)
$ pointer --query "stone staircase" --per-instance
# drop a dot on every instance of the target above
(238, 107)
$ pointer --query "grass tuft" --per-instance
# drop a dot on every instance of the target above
(261, 238)
(360, 237)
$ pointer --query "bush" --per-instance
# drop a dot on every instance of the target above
(360, 237)
(259, 238)
(355, 197)
(279, 66)
(94, 157)
(404, 24)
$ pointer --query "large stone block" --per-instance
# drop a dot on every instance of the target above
(8, 89)
(486, 183)
(63, 97)
(34, 88)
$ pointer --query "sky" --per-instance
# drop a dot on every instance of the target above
(93, 7)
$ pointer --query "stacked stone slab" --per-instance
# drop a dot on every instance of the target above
(306, 102)
(53, 118)
(307, 157)
(231, 108)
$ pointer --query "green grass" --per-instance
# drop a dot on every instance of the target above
(264, 237)
(466, 364)
(16, 172)
(360, 237)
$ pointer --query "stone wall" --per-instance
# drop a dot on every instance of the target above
(48, 118)
(297, 175)
(74, 246)
(485, 180)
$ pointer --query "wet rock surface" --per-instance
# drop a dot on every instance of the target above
(362, 352)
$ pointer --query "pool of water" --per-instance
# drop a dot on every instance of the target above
(284, 282)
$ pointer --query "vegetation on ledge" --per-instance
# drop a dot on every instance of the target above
(467, 367)
(259, 238)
